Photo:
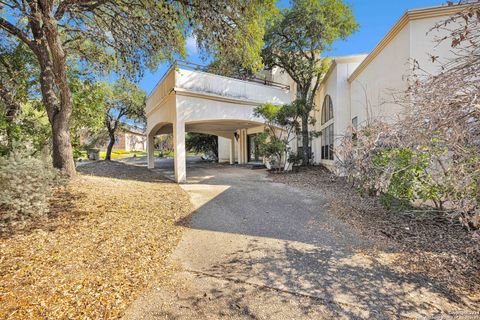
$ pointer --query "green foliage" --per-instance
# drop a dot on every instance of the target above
(29, 132)
(124, 100)
(240, 46)
(295, 159)
(202, 143)
(281, 126)
(295, 41)
(88, 112)
(27, 184)
(17, 86)
(409, 176)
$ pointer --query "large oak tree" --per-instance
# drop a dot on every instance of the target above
(126, 36)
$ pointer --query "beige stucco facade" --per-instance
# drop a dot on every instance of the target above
(368, 87)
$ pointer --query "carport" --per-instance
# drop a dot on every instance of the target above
(189, 99)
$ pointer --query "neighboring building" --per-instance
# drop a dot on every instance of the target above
(129, 138)
(355, 89)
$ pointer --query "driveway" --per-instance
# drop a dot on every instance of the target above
(259, 250)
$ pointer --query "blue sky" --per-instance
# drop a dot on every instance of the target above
(375, 18)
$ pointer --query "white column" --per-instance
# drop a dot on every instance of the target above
(245, 146)
(180, 154)
(232, 151)
(150, 151)
(240, 147)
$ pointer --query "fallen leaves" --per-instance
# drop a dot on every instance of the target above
(107, 241)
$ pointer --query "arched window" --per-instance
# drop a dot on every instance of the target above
(327, 109)
(327, 129)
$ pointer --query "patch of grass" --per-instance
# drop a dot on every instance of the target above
(118, 154)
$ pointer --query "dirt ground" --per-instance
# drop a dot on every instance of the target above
(432, 244)
(107, 237)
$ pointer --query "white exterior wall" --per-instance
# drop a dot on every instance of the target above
(423, 44)
(207, 83)
(224, 150)
(373, 90)
(337, 86)
(196, 101)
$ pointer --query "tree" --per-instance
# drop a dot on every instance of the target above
(164, 143)
(295, 41)
(17, 68)
(281, 126)
(126, 36)
(199, 142)
(124, 101)
(88, 114)
(230, 67)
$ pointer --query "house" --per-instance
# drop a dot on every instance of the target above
(129, 138)
(189, 99)
(355, 89)
(364, 87)
(360, 88)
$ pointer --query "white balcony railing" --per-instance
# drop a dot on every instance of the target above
(198, 81)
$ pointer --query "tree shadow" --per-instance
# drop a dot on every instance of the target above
(295, 245)
(349, 284)
(122, 170)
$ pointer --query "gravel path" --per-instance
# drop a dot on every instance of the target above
(257, 249)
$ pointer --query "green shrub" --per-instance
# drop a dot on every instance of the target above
(27, 184)
(409, 176)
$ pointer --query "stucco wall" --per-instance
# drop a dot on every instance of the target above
(423, 44)
(224, 150)
(135, 141)
(337, 86)
(207, 83)
(372, 92)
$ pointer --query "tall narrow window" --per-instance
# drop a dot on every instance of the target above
(327, 109)
(327, 129)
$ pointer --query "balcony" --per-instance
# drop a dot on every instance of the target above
(188, 78)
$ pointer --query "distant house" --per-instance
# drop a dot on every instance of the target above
(129, 138)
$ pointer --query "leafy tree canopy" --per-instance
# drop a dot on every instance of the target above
(295, 41)
(202, 143)
(124, 36)
(124, 100)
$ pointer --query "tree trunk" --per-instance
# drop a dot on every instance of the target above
(62, 153)
(56, 93)
(59, 117)
(305, 140)
(108, 155)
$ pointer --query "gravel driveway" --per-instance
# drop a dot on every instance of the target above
(262, 250)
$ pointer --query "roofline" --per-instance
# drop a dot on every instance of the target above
(409, 15)
(340, 60)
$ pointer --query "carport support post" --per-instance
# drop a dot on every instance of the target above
(232, 150)
(150, 151)
(179, 149)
